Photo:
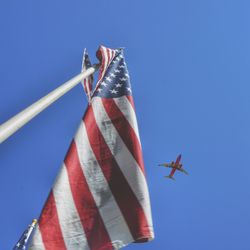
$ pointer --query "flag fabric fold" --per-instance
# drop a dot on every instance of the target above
(100, 199)
(88, 81)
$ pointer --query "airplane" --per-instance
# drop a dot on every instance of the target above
(175, 166)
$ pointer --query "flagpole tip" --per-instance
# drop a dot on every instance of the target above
(34, 221)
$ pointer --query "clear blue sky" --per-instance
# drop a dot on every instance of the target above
(189, 64)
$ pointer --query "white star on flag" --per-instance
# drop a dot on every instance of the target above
(104, 84)
(113, 91)
(108, 79)
(118, 85)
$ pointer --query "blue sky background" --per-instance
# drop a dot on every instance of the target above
(189, 65)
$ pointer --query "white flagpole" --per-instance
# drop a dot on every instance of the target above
(16, 122)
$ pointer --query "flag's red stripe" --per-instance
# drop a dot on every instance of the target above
(125, 130)
(91, 220)
(131, 100)
(122, 192)
(49, 226)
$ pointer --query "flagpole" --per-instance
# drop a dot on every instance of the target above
(16, 122)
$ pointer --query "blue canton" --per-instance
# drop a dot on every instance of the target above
(21, 244)
(116, 82)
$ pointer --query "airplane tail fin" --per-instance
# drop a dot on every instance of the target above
(170, 177)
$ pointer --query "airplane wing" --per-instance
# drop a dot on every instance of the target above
(177, 162)
(165, 164)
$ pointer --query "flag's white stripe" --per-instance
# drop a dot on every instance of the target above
(128, 111)
(113, 219)
(112, 54)
(123, 157)
(69, 220)
(37, 242)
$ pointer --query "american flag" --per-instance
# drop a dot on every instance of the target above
(100, 198)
